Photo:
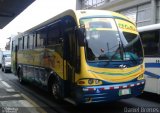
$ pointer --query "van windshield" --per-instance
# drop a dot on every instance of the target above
(8, 59)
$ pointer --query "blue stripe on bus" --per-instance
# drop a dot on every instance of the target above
(152, 65)
(152, 74)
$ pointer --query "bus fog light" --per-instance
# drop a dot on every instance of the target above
(96, 81)
(90, 81)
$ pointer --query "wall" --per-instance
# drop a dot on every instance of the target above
(143, 12)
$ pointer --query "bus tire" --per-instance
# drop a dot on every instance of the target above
(54, 88)
(20, 76)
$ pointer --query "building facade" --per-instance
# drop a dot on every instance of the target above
(143, 12)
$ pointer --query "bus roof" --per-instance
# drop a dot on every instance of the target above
(149, 27)
(77, 14)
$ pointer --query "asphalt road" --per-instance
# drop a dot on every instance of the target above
(41, 100)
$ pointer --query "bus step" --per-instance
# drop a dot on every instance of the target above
(70, 101)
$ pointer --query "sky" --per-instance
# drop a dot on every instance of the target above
(36, 13)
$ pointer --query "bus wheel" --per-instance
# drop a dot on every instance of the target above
(20, 76)
(55, 89)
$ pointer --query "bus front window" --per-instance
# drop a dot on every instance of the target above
(101, 38)
(131, 42)
(106, 40)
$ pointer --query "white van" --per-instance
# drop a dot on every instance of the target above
(6, 61)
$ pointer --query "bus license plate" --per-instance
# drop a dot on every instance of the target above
(124, 92)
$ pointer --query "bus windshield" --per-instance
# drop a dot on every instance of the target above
(109, 39)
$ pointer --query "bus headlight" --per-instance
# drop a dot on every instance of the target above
(88, 82)
(94, 81)
(97, 81)
(91, 81)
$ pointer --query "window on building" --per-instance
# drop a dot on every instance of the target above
(130, 13)
(94, 2)
(158, 12)
(111, 0)
(100, 2)
(144, 14)
(87, 4)
(90, 3)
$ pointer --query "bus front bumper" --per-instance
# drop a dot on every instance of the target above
(108, 93)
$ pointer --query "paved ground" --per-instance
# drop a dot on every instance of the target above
(13, 101)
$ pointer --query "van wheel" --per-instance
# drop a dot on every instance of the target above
(20, 76)
(5, 71)
(2, 68)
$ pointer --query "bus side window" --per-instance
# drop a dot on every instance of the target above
(20, 43)
(40, 40)
(25, 42)
(30, 40)
(53, 35)
(34, 40)
(150, 42)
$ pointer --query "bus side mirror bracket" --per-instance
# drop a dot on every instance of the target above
(81, 34)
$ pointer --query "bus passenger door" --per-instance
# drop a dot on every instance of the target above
(71, 58)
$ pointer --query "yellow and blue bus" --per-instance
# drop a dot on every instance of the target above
(85, 56)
